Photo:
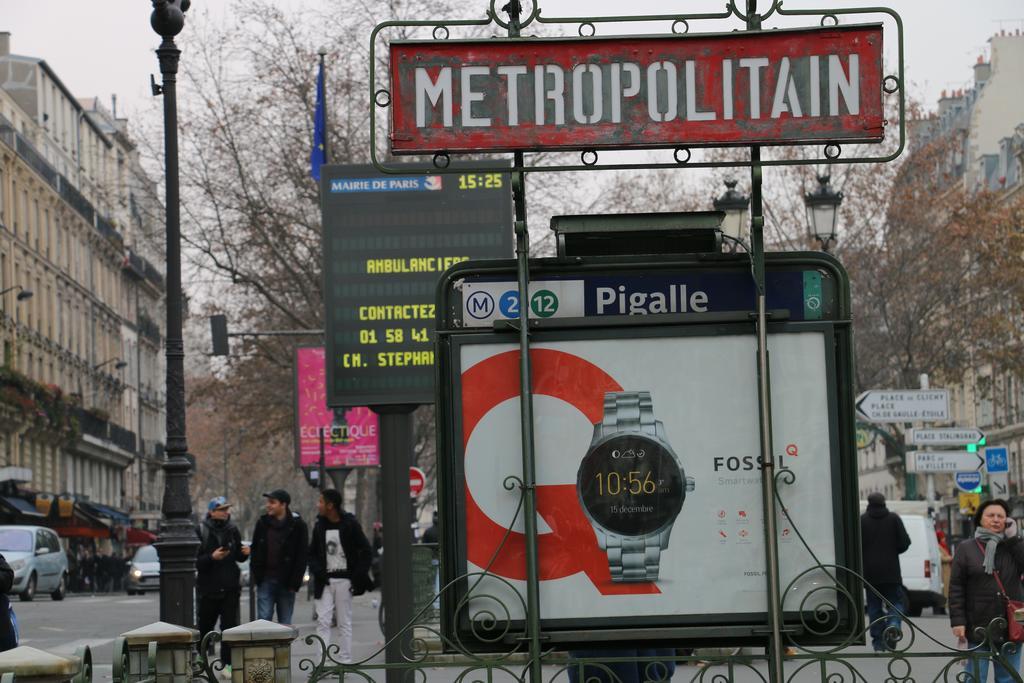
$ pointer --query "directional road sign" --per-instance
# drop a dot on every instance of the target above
(968, 481)
(944, 436)
(999, 485)
(943, 461)
(997, 460)
(904, 405)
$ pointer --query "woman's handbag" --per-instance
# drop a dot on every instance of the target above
(1014, 629)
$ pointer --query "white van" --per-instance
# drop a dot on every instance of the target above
(921, 564)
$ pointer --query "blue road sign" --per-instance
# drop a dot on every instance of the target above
(967, 481)
(997, 460)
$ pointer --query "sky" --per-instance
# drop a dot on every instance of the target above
(104, 48)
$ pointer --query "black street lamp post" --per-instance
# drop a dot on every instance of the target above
(823, 211)
(735, 205)
(177, 543)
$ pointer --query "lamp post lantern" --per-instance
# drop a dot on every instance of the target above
(177, 542)
(823, 211)
(735, 204)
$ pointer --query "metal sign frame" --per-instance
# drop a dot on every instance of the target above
(677, 24)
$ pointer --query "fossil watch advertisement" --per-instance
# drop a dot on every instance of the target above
(648, 475)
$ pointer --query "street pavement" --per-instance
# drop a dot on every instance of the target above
(61, 627)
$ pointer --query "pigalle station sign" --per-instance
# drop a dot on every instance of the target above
(758, 87)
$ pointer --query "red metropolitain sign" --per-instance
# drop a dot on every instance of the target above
(765, 87)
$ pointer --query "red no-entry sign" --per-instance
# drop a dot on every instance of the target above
(417, 479)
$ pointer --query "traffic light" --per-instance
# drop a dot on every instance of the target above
(973, 447)
(219, 334)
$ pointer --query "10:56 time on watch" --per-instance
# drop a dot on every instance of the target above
(614, 483)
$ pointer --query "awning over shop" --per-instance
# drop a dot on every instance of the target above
(115, 515)
(20, 506)
(139, 537)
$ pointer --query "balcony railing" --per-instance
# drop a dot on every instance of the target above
(95, 426)
(92, 425)
(123, 438)
(34, 159)
(148, 328)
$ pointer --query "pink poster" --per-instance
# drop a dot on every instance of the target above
(350, 440)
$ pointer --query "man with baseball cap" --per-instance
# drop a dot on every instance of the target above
(280, 545)
(217, 575)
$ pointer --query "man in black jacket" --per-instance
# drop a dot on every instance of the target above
(339, 565)
(217, 575)
(883, 539)
(280, 544)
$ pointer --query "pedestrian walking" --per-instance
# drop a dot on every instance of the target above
(883, 539)
(339, 566)
(218, 579)
(279, 551)
(986, 570)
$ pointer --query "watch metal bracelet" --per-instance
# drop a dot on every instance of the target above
(631, 558)
(634, 559)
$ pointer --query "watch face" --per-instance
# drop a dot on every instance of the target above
(631, 485)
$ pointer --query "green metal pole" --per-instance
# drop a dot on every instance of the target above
(775, 646)
(526, 397)
(526, 407)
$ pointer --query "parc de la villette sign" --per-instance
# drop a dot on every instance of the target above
(775, 87)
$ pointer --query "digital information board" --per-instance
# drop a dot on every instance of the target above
(387, 239)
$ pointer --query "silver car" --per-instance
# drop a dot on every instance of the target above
(38, 561)
(144, 571)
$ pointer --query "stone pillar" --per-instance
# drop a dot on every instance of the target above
(174, 648)
(37, 666)
(261, 652)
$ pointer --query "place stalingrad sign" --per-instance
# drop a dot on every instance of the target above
(904, 405)
(944, 436)
(944, 461)
(772, 87)
(635, 452)
(387, 239)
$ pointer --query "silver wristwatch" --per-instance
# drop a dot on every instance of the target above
(631, 486)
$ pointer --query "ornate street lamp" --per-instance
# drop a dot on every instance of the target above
(735, 204)
(118, 364)
(176, 546)
(22, 292)
(823, 211)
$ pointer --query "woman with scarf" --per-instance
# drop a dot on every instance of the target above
(994, 556)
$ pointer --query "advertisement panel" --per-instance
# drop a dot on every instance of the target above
(771, 87)
(352, 437)
(649, 484)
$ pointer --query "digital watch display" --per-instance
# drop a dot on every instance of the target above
(631, 486)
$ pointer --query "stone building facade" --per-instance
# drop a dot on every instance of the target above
(82, 310)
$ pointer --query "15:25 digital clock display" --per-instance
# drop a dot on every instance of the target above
(480, 181)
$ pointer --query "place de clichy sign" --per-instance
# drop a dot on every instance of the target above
(771, 87)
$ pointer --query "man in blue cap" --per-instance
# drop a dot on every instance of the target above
(218, 582)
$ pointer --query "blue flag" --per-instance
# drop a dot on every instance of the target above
(318, 155)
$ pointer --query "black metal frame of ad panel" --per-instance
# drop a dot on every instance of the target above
(740, 628)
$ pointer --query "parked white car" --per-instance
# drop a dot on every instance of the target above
(38, 561)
